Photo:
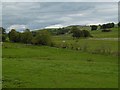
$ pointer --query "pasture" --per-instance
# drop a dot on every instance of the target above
(28, 66)
(101, 41)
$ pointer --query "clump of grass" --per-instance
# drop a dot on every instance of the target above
(85, 47)
(104, 50)
(117, 53)
(89, 60)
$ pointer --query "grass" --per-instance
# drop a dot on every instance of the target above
(28, 66)
(90, 44)
(112, 34)
(48, 67)
(0, 66)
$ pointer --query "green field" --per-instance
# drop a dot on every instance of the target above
(48, 67)
(100, 41)
(112, 34)
(59, 45)
(0, 66)
(84, 63)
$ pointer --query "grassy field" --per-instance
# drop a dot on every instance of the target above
(112, 34)
(100, 41)
(0, 66)
(48, 67)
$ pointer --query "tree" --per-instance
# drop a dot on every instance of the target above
(86, 33)
(76, 32)
(42, 38)
(112, 25)
(108, 25)
(26, 37)
(14, 36)
(3, 34)
(93, 27)
(62, 31)
(104, 26)
(118, 24)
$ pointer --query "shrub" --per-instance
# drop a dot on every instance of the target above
(14, 36)
(86, 33)
(26, 37)
(42, 38)
(93, 27)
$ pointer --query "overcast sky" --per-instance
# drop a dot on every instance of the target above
(36, 15)
(59, 0)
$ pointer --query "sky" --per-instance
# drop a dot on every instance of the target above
(38, 15)
(60, 0)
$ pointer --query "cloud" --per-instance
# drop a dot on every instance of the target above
(55, 26)
(60, 0)
(53, 14)
(17, 27)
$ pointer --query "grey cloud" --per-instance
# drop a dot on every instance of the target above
(59, 0)
(43, 14)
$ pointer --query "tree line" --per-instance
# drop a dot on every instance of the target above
(104, 27)
(41, 37)
(44, 37)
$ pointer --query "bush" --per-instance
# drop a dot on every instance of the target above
(93, 27)
(14, 36)
(3, 35)
(86, 33)
(42, 38)
(26, 36)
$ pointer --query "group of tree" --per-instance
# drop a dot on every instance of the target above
(62, 31)
(77, 33)
(42, 37)
(108, 25)
(103, 27)
(118, 24)
(58, 31)
(93, 27)
(3, 35)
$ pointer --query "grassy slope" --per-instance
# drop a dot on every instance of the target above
(99, 34)
(38, 66)
(92, 44)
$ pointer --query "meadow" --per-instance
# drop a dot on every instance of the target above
(0, 66)
(101, 42)
(32, 66)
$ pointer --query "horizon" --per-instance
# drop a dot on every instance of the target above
(22, 30)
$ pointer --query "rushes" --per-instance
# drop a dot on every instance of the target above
(100, 49)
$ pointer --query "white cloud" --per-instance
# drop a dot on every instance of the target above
(53, 14)
(55, 26)
(17, 27)
(79, 14)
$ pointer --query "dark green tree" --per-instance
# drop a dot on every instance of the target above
(42, 38)
(108, 25)
(86, 33)
(93, 27)
(118, 24)
(26, 37)
(62, 31)
(14, 36)
(3, 34)
(76, 32)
